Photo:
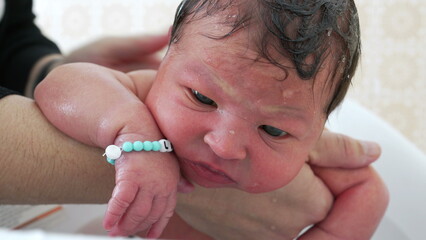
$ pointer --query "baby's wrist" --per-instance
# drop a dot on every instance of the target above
(133, 137)
(125, 145)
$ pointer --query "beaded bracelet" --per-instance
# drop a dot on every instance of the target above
(113, 152)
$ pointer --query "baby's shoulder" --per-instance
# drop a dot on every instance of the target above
(142, 80)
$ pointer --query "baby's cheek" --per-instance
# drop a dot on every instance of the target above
(172, 129)
(272, 175)
(167, 127)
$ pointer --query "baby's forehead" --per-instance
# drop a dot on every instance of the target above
(232, 69)
(239, 53)
(255, 47)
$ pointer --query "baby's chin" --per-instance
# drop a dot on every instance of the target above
(258, 189)
(266, 186)
(211, 182)
(254, 189)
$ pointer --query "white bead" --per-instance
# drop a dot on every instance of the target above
(165, 145)
(113, 152)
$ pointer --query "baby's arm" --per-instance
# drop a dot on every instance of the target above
(93, 104)
(361, 199)
(99, 106)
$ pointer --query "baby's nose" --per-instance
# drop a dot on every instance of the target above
(227, 143)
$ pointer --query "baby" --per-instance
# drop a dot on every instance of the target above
(242, 94)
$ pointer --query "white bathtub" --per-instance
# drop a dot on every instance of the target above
(402, 166)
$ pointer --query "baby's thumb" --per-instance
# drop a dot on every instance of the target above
(184, 186)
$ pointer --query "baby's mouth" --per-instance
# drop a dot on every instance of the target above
(209, 173)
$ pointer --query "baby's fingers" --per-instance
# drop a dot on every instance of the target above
(136, 214)
(158, 227)
(123, 195)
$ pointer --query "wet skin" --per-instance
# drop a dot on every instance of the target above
(235, 122)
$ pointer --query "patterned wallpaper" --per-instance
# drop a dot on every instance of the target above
(392, 79)
(390, 82)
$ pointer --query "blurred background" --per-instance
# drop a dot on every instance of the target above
(391, 81)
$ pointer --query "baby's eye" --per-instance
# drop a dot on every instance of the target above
(203, 99)
(273, 131)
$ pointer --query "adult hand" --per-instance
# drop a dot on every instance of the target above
(122, 53)
(338, 150)
(282, 214)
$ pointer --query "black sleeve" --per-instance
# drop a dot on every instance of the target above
(21, 44)
(4, 92)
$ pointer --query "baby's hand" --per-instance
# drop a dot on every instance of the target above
(145, 194)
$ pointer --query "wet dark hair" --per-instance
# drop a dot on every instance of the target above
(304, 31)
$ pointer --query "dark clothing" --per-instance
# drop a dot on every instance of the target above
(21, 45)
(4, 92)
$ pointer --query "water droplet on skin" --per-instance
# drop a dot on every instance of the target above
(274, 200)
(232, 132)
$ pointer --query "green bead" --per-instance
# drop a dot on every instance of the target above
(156, 146)
(138, 146)
(147, 146)
(110, 161)
(127, 147)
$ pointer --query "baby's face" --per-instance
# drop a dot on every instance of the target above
(234, 122)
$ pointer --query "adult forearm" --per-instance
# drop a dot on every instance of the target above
(41, 165)
(361, 199)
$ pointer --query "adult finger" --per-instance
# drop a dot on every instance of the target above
(338, 150)
(147, 62)
(135, 47)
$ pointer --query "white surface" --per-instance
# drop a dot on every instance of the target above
(402, 167)
(42, 235)
(73, 222)
(78, 218)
